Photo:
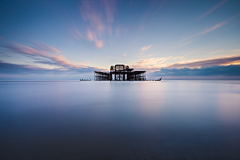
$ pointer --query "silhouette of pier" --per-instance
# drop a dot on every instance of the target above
(120, 72)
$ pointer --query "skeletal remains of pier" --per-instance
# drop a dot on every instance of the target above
(120, 72)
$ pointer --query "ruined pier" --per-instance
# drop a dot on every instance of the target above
(120, 72)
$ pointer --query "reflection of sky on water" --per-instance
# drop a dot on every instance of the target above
(228, 105)
(135, 120)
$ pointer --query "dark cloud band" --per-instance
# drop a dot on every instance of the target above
(8, 68)
(232, 70)
(207, 63)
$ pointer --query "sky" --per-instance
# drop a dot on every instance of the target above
(69, 40)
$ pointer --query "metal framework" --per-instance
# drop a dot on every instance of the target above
(120, 72)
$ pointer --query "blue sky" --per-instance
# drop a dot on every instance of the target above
(58, 40)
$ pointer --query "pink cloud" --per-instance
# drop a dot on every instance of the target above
(44, 52)
(99, 15)
(146, 48)
(91, 37)
(109, 6)
(151, 64)
(90, 13)
(47, 48)
(98, 43)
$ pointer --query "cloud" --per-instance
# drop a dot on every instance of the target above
(212, 9)
(157, 63)
(124, 55)
(99, 15)
(236, 50)
(98, 43)
(216, 51)
(187, 40)
(109, 6)
(43, 52)
(217, 25)
(213, 68)
(89, 13)
(152, 64)
(145, 48)
(117, 32)
(91, 37)
(232, 70)
(76, 33)
(9, 68)
(47, 48)
(208, 62)
(184, 43)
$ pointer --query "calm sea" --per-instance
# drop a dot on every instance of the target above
(120, 120)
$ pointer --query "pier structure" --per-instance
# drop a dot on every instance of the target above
(120, 72)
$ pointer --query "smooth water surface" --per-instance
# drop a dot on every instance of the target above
(120, 120)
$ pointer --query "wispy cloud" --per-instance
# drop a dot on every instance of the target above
(92, 37)
(188, 40)
(89, 13)
(232, 60)
(145, 48)
(217, 25)
(117, 32)
(124, 55)
(76, 33)
(109, 6)
(216, 51)
(45, 54)
(47, 48)
(184, 43)
(153, 64)
(99, 15)
(212, 9)
(10, 68)
(98, 43)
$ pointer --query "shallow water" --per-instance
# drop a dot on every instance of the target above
(120, 120)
